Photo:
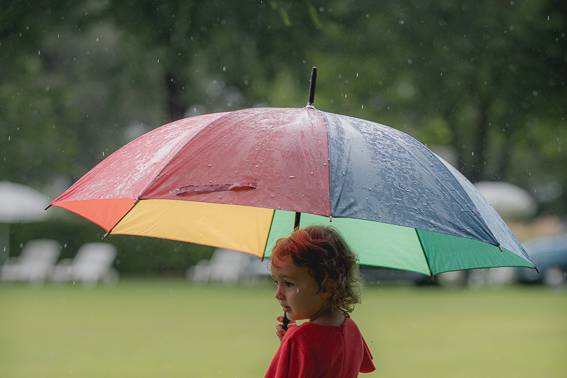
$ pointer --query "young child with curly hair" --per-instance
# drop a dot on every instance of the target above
(315, 273)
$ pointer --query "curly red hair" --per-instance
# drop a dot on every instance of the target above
(328, 259)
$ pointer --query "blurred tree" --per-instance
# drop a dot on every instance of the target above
(31, 108)
(481, 78)
(230, 41)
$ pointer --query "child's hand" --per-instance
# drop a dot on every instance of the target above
(280, 332)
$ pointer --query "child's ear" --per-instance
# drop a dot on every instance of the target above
(328, 286)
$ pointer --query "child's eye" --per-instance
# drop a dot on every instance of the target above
(288, 284)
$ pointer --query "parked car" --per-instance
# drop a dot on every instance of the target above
(550, 256)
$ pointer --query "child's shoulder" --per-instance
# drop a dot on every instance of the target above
(309, 330)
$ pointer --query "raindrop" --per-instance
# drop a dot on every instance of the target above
(362, 106)
(223, 68)
(402, 22)
(38, 52)
(64, 245)
(158, 60)
(97, 39)
(547, 18)
(311, 173)
(535, 93)
(21, 245)
(209, 165)
(472, 153)
(324, 164)
(357, 74)
(257, 166)
(9, 138)
(291, 177)
(410, 61)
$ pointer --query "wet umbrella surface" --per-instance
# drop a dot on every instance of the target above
(236, 180)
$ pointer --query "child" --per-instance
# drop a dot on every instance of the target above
(315, 273)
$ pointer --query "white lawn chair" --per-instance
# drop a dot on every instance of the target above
(228, 267)
(34, 263)
(92, 264)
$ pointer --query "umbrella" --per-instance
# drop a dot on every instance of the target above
(240, 180)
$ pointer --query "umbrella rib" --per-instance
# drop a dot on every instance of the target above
(120, 220)
(474, 208)
(324, 119)
(268, 236)
(424, 253)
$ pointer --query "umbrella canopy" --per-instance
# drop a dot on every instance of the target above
(236, 180)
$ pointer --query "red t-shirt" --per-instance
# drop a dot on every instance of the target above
(313, 350)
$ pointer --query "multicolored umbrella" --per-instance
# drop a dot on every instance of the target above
(240, 180)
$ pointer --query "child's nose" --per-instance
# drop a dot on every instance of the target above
(279, 293)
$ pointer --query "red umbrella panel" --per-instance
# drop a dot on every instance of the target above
(251, 161)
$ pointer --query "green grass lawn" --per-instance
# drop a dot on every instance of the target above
(172, 329)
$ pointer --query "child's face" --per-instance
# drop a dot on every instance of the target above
(297, 291)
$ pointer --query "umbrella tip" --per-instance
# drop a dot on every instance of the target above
(312, 84)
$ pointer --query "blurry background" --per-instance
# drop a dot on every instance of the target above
(482, 84)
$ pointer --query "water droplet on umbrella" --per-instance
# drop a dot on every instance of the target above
(324, 164)
(256, 166)
(291, 177)
(311, 173)
(209, 165)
